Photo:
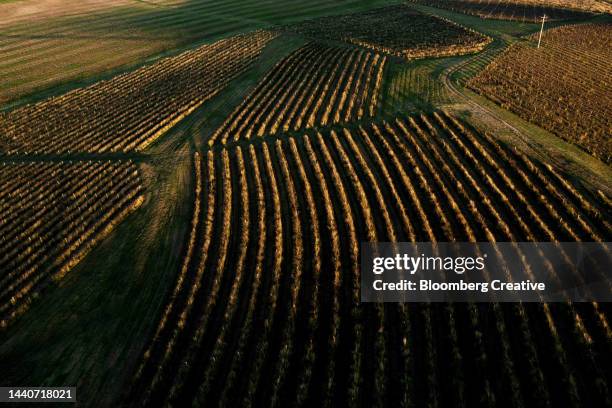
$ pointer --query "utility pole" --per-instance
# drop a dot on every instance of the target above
(541, 30)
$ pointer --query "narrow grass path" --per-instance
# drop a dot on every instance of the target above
(505, 125)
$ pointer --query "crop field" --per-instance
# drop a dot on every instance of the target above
(396, 30)
(53, 213)
(563, 86)
(517, 10)
(284, 219)
(186, 186)
(130, 111)
(315, 85)
(48, 45)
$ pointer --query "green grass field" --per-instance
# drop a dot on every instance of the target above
(61, 50)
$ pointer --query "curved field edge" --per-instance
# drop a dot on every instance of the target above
(91, 322)
(398, 30)
(534, 140)
(359, 202)
(102, 349)
(98, 318)
(485, 114)
(129, 112)
(54, 213)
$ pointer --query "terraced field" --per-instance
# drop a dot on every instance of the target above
(563, 86)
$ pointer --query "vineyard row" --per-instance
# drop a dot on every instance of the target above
(575, 102)
(315, 85)
(51, 215)
(132, 110)
(297, 209)
(398, 30)
(513, 10)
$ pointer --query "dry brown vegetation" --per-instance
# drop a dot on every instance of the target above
(565, 86)
(255, 299)
(590, 5)
(523, 10)
(398, 30)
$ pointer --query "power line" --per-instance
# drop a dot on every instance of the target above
(541, 30)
